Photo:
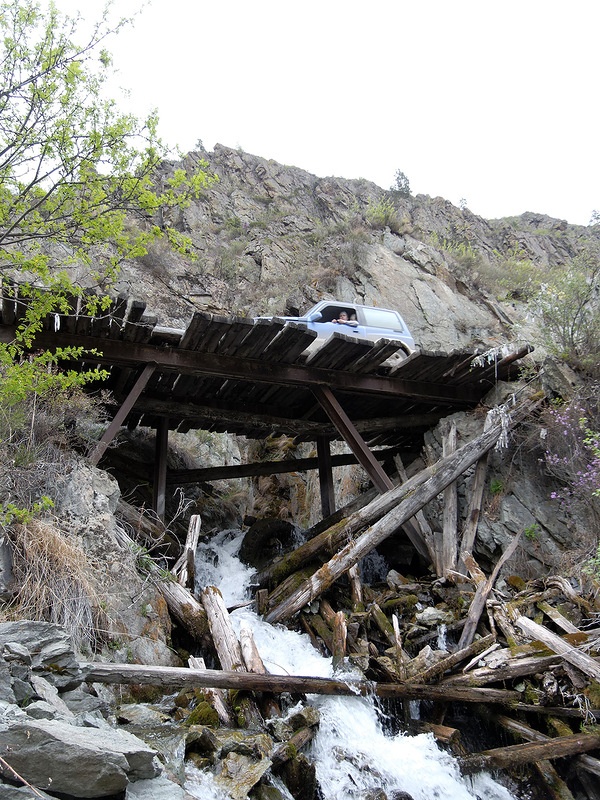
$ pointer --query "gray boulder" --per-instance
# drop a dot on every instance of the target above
(82, 762)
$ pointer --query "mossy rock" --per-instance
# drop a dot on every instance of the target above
(203, 714)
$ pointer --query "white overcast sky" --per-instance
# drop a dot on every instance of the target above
(494, 102)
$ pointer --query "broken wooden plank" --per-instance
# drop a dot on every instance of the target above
(184, 568)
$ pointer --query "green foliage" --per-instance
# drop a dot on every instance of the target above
(401, 185)
(592, 566)
(516, 276)
(383, 214)
(496, 486)
(532, 531)
(568, 310)
(74, 172)
(11, 513)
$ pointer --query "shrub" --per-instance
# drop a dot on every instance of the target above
(568, 310)
(383, 214)
(572, 452)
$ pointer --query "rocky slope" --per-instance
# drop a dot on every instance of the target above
(270, 239)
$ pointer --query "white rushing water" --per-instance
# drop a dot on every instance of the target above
(351, 751)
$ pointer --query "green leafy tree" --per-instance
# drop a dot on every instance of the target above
(401, 185)
(78, 192)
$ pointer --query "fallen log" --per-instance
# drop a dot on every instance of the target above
(287, 750)
(249, 681)
(514, 668)
(519, 728)
(229, 652)
(420, 492)
(553, 642)
(452, 660)
(223, 636)
(214, 696)
(511, 756)
(469, 531)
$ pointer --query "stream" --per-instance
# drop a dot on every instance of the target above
(352, 753)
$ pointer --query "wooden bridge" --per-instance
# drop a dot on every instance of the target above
(254, 378)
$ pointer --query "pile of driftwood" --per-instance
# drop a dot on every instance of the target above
(523, 656)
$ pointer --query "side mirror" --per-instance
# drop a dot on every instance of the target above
(315, 316)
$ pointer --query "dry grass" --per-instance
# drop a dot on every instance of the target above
(49, 572)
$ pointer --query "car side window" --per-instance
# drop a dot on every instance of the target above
(381, 318)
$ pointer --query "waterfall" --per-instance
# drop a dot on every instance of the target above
(351, 751)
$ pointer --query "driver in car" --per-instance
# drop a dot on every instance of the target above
(343, 319)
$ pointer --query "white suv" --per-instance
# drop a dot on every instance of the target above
(364, 322)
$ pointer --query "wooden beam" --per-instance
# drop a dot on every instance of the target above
(353, 438)
(325, 477)
(119, 417)
(181, 476)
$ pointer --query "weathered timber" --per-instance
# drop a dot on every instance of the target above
(482, 593)
(511, 756)
(182, 476)
(225, 641)
(469, 531)
(450, 512)
(184, 568)
(356, 590)
(214, 696)
(252, 659)
(423, 488)
(340, 634)
(559, 619)
(452, 660)
(514, 668)
(419, 520)
(558, 645)
(229, 651)
(286, 750)
(184, 607)
(382, 622)
(249, 681)
(528, 733)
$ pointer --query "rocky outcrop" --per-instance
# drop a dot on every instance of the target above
(270, 238)
(52, 733)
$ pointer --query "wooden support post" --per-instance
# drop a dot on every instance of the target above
(119, 417)
(353, 438)
(450, 513)
(160, 468)
(325, 476)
